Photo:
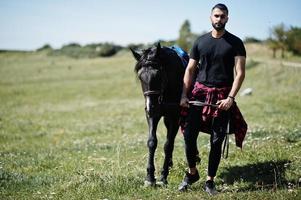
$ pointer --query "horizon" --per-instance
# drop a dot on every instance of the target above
(30, 25)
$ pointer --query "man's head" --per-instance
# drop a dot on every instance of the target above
(219, 16)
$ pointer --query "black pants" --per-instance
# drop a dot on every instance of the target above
(191, 132)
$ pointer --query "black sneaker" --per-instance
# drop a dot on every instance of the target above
(210, 187)
(189, 179)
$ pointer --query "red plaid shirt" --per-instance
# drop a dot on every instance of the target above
(238, 125)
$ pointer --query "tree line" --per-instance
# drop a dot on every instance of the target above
(75, 50)
(281, 39)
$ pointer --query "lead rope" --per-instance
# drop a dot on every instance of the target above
(226, 141)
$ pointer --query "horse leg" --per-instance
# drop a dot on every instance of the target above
(152, 145)
(172, 129)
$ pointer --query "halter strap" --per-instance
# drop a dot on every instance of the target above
(151, 92)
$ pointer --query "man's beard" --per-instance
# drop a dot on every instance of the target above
(218, 26)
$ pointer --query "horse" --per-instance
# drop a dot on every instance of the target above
(160, 71)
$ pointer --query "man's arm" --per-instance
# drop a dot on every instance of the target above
(240, 62)
(187, 81)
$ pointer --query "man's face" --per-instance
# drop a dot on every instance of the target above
(219, 19)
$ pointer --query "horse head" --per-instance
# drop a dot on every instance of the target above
(149, 70)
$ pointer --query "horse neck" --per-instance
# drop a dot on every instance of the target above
(174, 70)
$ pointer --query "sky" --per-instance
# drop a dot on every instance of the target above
(30, 24)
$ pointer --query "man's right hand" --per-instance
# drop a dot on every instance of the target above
(184, 102)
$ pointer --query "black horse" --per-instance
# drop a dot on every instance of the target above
(160, 71)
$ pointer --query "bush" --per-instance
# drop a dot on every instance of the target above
(44, 47)
(71, 45)
(107, 49)
(252, 40)
(74, 50)
(136, 46)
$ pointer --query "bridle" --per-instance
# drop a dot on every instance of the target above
(160, 97)
(159, 92)
(155, 92)
(151, 92)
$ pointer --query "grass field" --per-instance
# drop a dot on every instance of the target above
(75, 129)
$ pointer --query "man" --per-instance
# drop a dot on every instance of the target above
(219, 53)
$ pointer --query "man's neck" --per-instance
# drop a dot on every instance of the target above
(217, 34)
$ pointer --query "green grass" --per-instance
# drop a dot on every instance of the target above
(75, 129)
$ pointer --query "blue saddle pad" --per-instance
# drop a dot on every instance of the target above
(182, 54)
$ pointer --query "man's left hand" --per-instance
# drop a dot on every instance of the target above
(225, 104)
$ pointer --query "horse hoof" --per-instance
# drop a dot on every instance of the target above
(149, 183)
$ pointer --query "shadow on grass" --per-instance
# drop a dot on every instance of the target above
(258, 176)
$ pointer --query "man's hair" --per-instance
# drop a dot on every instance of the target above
(221, 6)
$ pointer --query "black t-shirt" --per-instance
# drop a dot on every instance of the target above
(216, 58)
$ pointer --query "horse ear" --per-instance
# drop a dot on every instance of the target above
(158, 45)
(158, 48)
(136, 55)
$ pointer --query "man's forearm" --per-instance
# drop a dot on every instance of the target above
(187, 82)
(237, 84)
(240, 62)
(188, 76)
